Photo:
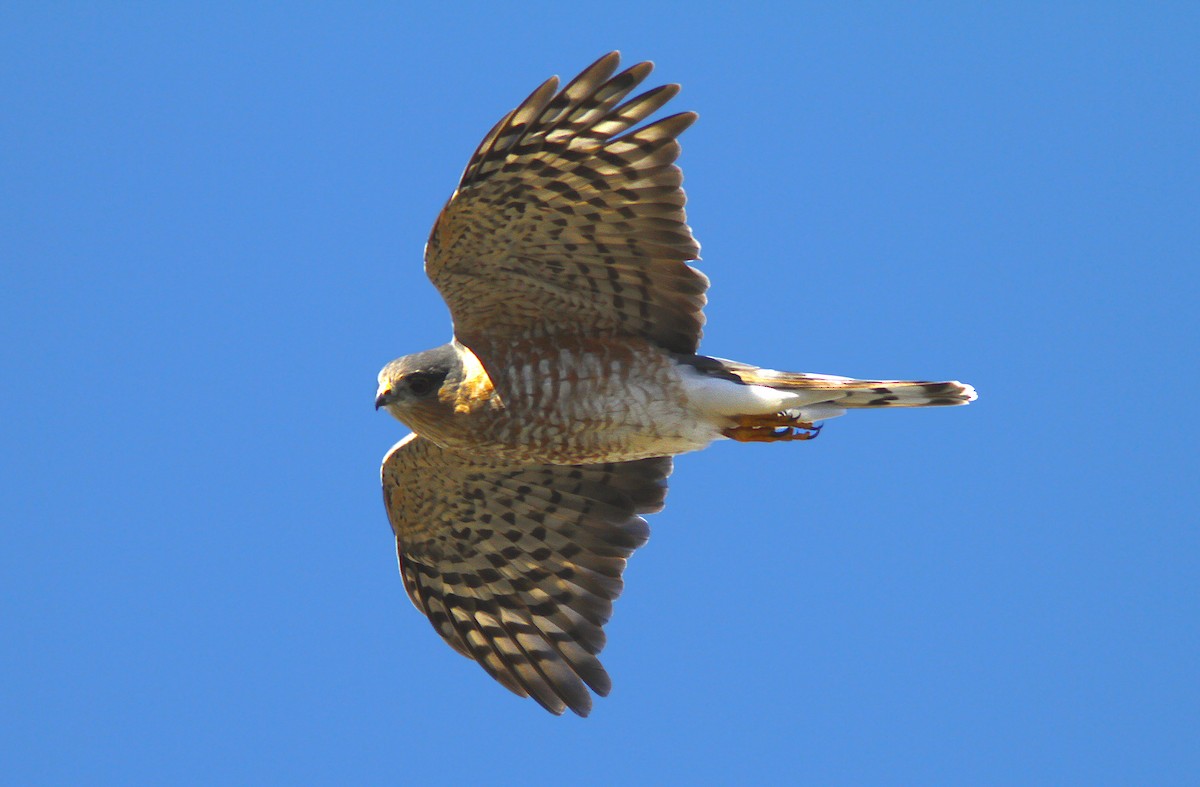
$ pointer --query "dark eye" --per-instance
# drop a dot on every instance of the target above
(422, 384)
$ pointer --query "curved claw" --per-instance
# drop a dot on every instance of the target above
(751, 432)
(807, 432)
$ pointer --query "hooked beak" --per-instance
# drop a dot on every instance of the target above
(384, 397)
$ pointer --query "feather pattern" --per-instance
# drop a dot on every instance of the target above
(570, 219)
(517, 566)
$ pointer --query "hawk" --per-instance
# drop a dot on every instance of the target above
(544, 431)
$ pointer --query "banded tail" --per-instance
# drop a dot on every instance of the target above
(805, 398)
(867, 393)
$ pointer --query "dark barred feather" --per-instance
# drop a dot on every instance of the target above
(517, 567)
(570, 218)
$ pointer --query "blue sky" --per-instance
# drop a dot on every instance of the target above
(211, 232)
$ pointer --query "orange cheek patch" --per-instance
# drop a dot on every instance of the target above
(475, 391)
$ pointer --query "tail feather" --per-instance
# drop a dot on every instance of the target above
(910, 393)
(843, 392)
(869, 393)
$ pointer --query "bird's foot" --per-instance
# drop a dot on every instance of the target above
(778, 427)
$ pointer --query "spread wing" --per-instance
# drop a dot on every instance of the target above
(567, 221)
(517, 566)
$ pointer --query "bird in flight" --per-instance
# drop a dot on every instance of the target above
(545, 430)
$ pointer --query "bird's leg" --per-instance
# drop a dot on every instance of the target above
(777, 427)
(773, 420)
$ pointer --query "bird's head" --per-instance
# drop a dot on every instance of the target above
(414, 383)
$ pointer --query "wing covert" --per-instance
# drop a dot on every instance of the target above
(566, 220)
(517, 566)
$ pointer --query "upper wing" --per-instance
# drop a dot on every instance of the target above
(564, 222)
(517, 566)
